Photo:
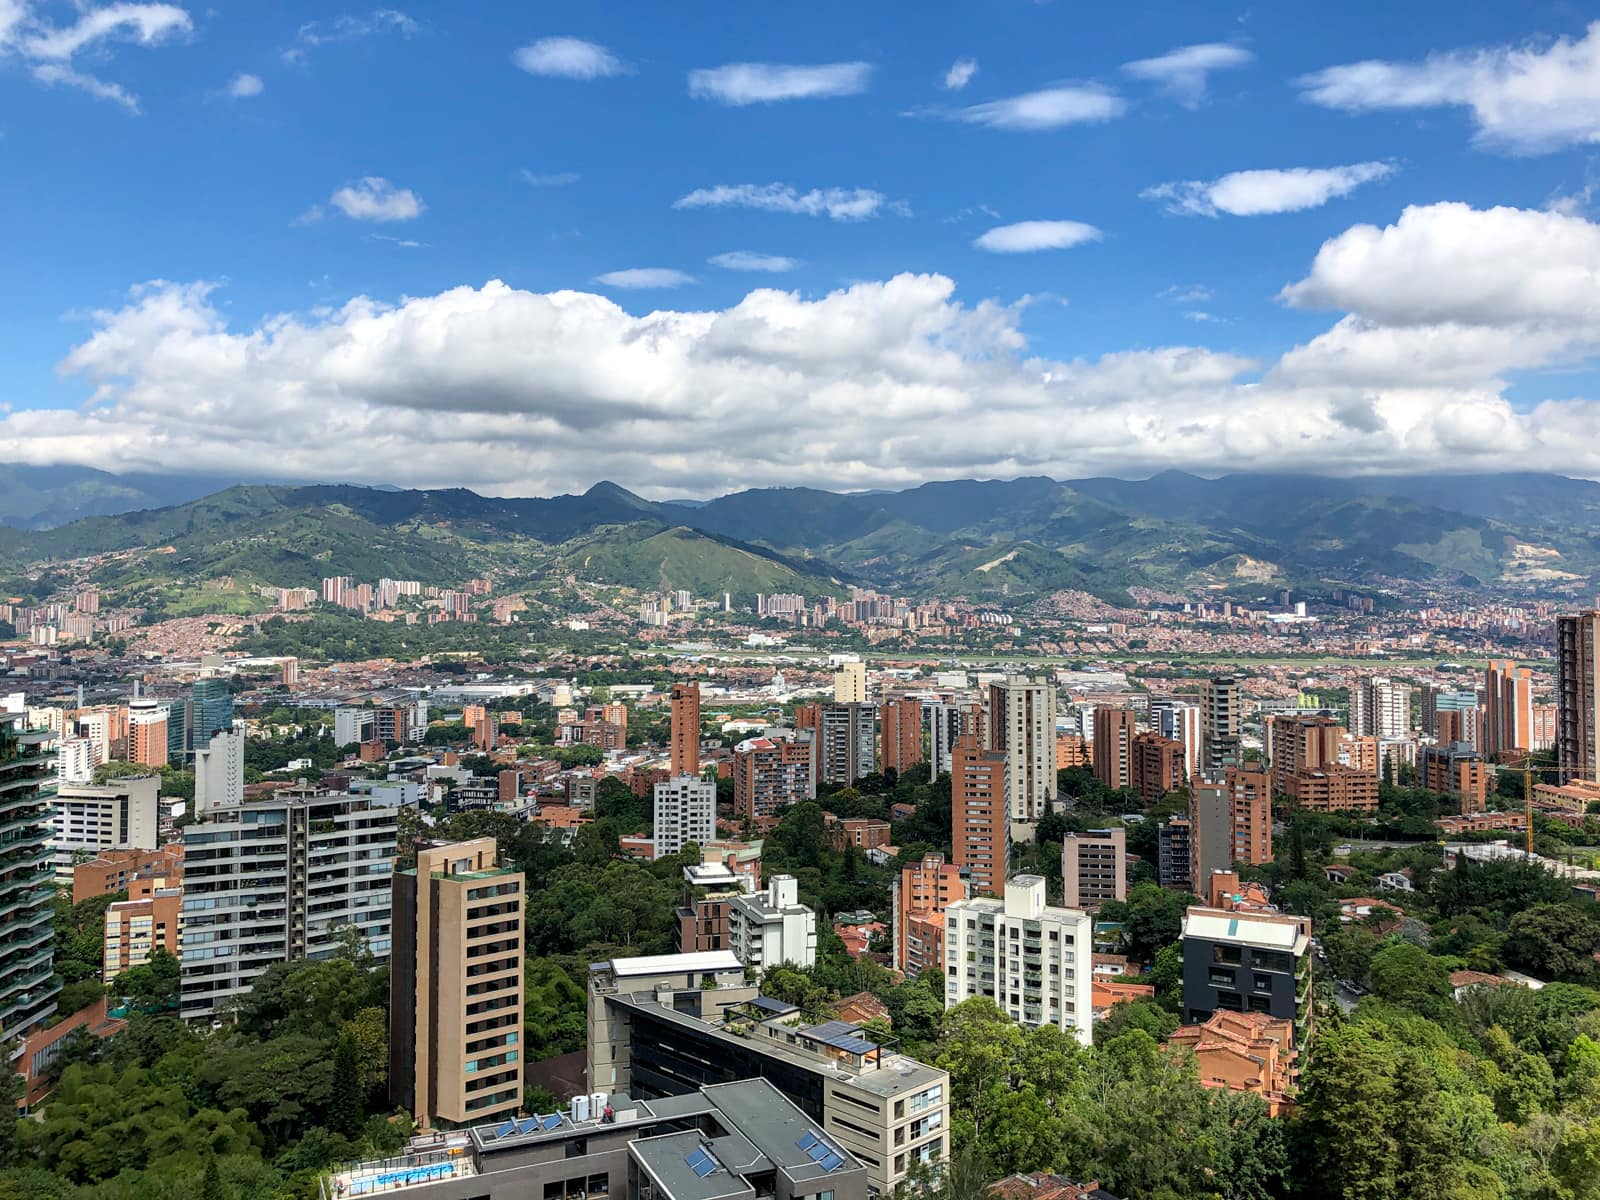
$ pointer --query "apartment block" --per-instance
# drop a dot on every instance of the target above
(1094, 868)
(1250, 794)
(850, 683)
(455, 985)
(900, 725)
(147, 733)
(1112, 747)
(921, 894)
(1457, 769)
(1222, 719)
(1022, 726)
(280, 880)
(28, 985)
(946, 723)
(772, 927)
(1033, 960)
(1507, 712)
(685, 722)
(1436, 701)
(847, 746)
(1332, 789)
(124, 814)
(1158, 766)
(669, 1025)
(770, 774)
(150, 919)
(1210, 830)
(113, 871)
(1381, 708)
(219, 772)
(1180, 721)
(685, 811)
(980, 837)
(1236, 961)
(1174, 851)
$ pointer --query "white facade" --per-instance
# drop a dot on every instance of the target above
(1036, 962)
(219, 773)
(280, 881)
(772, 927)
(1180, 721)
(76, 759)
(946, 722)
(353, 725)
(1022, 722)
(122, 815)
(1380, 707)
(686, 811)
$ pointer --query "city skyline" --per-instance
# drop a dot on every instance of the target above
(811, 248)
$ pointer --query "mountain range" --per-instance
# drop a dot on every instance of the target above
(1239, 535)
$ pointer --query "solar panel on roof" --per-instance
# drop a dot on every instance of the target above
(506, 1130)
(528, 1126)
(833, 1160)
(551, 1121)
(701, 1162)
(808, 1141)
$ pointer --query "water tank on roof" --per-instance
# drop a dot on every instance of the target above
(580, 1108)
(597, 1104)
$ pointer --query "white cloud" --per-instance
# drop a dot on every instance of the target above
(763, 83)
(569, 58)
(244, 86)
(49, 50)
(1255, 193)
(558, 179)
(1192, 293)
(403, 243)
(1182, 73)
(1528, 99)
(880, 384)
(960, 74)
(1051, 108)
(839, 204)
(348, 28)
(645, 277)
(1026, 236)
(749, 260)
(372, 199)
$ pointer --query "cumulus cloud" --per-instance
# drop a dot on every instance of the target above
(372, 198)
(1049, 108)
(740, 84)
(749, 260)
(644, 278)
(879, 384)
(1256, 193)
(49, 50)
(569, 58)
(960, 74)
(245, 86)
(1528, 99)
(838, 204)
(1182, 73)
(1026, 236)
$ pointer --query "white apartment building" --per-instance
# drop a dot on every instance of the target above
(1036, 962)
(772, 927)
(1181, 722)
(850, 683)
(219, 773)
(685, 811)
(1380, 707)
(76, 759)
(1022, 722)
(124, 814)
(278, 881)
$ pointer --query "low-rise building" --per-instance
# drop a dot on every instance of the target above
(772, 927)
(1094, 868)
(1244, 1052)
(666, 1025)
(1236, 961)
(722, 1141)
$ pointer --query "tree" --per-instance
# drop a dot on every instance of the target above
(1409, 976)
(211, 1182)
(1151, 916)
(152, 985)
(345, 1109)
(1555, 941)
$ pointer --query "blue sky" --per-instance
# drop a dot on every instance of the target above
(132, 152)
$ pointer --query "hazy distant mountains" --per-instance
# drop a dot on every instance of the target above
(983, 539)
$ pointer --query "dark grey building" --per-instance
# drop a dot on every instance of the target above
(1172, 854)
(730, 1141)
(1241, 961)
(848, 748)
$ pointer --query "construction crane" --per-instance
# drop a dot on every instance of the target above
(1526, 770)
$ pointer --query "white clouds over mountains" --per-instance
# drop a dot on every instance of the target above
(877, 384)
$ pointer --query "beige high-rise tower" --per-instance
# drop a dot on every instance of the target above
(1022, 724)
(455, 985)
